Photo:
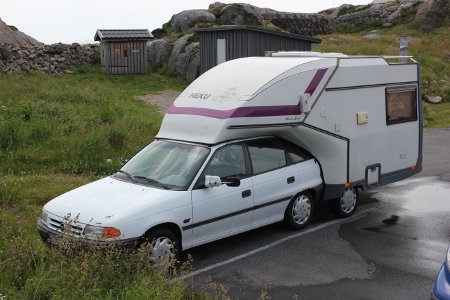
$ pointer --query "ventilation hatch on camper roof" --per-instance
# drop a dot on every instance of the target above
(240, 78)
(307, 54)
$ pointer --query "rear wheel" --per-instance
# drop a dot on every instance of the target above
(299, 211)
(163, 245)
(345, 206)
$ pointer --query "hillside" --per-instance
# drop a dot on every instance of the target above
(12, 36)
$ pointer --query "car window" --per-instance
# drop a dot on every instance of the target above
(266, 155)
(296, 154)
(228, 161)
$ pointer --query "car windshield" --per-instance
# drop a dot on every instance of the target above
(164, 164)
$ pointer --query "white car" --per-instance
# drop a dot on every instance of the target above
(176, 195)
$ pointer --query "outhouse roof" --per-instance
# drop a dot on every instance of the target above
(258, 29)
(122, 34)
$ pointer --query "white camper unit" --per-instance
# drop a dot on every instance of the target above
(232, 153)
(359, 116)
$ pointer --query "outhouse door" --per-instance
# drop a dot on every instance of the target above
(118, 58)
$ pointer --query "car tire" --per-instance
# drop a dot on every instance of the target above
(163, 245)
(346, 205)
(299, 211)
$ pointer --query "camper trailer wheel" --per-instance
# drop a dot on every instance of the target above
(346, 205)
(299, 211)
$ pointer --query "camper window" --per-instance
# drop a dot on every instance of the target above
(401, 105)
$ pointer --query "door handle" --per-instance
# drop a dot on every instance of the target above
(246, 193)
(291, 180)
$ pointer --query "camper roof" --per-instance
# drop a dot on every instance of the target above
(241, 78)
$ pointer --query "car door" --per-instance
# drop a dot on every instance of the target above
(224, 210)
(273, 180)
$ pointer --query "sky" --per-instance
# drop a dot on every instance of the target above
(68, 21)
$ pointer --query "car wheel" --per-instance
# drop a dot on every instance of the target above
(299, 211)
(163, 245)
(345, 206)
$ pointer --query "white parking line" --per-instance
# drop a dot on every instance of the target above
(360, 215)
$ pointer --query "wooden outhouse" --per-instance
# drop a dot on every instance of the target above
(123, 51)
(223, 43)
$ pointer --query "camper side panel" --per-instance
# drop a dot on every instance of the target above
(355, 105)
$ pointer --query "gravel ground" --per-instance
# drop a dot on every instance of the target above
(163, 99)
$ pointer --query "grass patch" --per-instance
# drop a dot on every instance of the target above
(77, 124)
(437, 115)
(29, 270)
(80, 125)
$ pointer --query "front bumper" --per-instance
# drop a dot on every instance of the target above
(48, 236)
(441, 288)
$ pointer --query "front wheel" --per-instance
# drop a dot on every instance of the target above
(299, 211)
(163, 245)
(345, 206)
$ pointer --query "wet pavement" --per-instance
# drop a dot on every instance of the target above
(392, 248)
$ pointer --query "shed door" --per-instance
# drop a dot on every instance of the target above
(221, 51)
(118, 58)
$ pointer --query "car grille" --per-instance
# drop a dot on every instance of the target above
(62, 226)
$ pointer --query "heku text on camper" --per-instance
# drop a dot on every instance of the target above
(199, 96)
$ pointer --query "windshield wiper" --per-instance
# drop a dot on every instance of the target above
(150, 180)
(128, 175)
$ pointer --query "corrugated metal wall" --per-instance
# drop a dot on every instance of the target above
(128, 57)
(244, 43)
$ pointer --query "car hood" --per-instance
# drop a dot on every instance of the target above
(106, 200)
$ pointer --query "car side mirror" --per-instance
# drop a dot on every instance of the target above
(232, 181)
(212, 181)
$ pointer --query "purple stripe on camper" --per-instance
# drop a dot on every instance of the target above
(250, 111)
(315, 81)
(240, 112)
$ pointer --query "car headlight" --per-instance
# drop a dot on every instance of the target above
(44, 216)
(97, 232)
(447, 259)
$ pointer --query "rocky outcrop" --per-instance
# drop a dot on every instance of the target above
(12, 36)
(381, 11)
(178, 48)
(186, 20)
(185, 57)
(158, 52)
(54, 59)
(246, 14)
(192, 68)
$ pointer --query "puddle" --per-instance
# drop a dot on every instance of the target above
(430, 197)
(423, 195)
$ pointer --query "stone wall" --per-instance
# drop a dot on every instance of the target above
(53, 59)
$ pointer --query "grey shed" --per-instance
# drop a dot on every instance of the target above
(220, 44)
(123, 51)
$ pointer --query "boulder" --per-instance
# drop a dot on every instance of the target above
(238, 14)
(433, 99)
(381, 1)
(299, 23)
(423, 8)
(158, 52)
(367, 14)
(186, 20)
(188, 62)
(371, 37)
(305, 24)
(178, 48)
(193, 67)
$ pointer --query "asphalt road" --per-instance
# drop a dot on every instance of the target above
(358, 258)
